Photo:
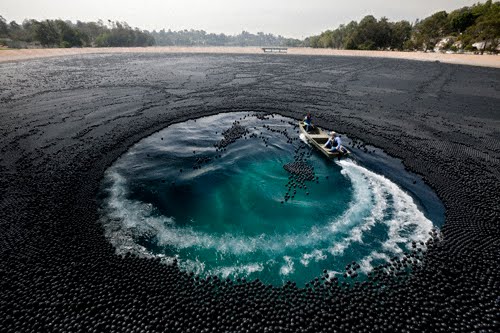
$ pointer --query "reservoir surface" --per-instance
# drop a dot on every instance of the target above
(242, 195)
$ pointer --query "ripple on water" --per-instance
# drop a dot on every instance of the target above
(220, 211)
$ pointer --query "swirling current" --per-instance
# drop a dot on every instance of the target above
(213, 195)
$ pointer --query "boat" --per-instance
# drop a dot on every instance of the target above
(318, 137)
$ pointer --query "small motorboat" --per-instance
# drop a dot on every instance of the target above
(317, 137)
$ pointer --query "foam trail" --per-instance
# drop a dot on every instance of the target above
(373, 196)
(141, 220)
(408, 222)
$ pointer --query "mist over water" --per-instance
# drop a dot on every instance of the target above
(222, 212)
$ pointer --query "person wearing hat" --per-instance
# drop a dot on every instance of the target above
(334, 142)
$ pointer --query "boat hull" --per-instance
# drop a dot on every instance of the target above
(317, 138)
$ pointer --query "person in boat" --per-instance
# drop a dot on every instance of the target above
(308, 122)
(334, 143)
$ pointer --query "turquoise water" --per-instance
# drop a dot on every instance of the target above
(231, 209)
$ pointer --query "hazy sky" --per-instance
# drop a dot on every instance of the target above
(291, 18)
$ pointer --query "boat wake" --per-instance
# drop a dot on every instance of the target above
(381, 221)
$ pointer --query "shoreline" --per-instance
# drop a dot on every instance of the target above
(485, 60)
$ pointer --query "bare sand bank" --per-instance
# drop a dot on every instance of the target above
(461, 59)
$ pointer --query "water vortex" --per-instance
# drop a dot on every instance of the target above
(212, 193)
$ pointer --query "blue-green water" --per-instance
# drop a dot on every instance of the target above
(224, 211)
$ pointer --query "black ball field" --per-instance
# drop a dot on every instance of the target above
(65, 120)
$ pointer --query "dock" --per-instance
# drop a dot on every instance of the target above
(275, 49)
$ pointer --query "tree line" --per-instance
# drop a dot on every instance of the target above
(59, 33)
(201, 37)
(461, 29)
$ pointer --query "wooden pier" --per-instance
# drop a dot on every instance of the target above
(275, 49)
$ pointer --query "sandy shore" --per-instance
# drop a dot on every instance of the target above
(461, 59)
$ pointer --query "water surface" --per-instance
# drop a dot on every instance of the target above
(231, 209)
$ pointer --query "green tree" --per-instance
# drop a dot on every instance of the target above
(313, 41)
(430, 29)
(15, 30)
(89, 31)
(27, 31)
(121, 34)
(461, 19)
(400, 35)
(4, 28)
(325, 39)
(366, 34)
(384, 33)
(371, 34)
(46, 33)
(481, 9)
(487, 27)
(69, 36)
(338, 37)
(348, 33)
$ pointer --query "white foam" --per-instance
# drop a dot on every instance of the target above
(288, 267)
(331, 274)
(368, 197)
(316, 255)
(139, 219)
(238, 270)
(366, 263)
(303, 138)
(195, 266)
(408, 222)
(373, 195)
